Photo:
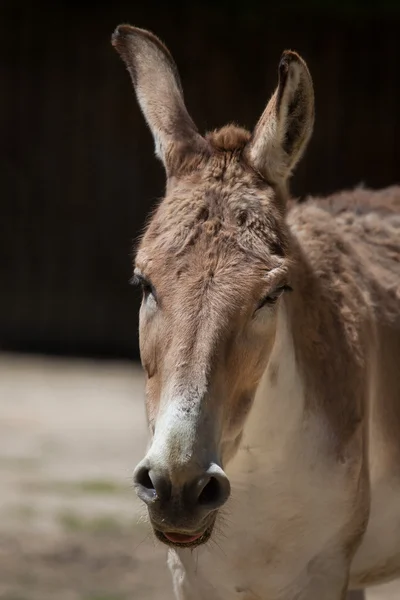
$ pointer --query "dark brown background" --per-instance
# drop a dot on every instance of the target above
(77, 172)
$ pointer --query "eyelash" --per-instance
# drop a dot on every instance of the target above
(146, 286)
(271, 299)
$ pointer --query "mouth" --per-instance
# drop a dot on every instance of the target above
(183, 540)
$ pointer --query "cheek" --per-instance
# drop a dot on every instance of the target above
(253, 352)
(153, 341)
(246, 366)
(240, 410)
(149, 359)
(153, 390)
(148, 344)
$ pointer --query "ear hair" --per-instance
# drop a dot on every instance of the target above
(159, 92)
(284, 129)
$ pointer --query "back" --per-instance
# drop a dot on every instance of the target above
(357, 231)
(354, 238)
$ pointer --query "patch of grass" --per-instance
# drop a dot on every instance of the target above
(86, 486)
(20, 463)
(23, 512)
(101, 486)
(73, 522)
(105, 524)
(104, 597)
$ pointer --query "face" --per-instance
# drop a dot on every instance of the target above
(212, 268)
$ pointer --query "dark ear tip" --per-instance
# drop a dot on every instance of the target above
(128, 37)
(288, 57)
(120, 34)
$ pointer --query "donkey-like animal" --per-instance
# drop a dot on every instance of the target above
(270, 339)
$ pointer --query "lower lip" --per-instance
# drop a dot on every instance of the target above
(178, 538)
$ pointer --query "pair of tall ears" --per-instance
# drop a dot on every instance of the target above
(279, 137)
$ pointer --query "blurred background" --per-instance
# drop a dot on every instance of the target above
(78, 177)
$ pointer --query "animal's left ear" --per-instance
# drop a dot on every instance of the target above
(285, 127)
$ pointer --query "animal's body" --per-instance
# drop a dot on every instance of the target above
(291, 499)
(270, 337)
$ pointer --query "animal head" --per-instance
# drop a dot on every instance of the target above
(213, 264)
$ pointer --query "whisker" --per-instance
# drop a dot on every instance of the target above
(141, 542)
(215, 543)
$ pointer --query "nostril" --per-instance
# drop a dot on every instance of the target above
(142, 477)
(150, 484)
(217, 489)
(143, 483)
(210, 492)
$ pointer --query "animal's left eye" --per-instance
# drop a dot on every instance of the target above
(272, 298)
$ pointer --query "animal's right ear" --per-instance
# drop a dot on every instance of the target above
(159, 93)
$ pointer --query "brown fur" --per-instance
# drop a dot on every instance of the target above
(225, 237)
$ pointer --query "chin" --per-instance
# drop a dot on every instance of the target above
(184, 540)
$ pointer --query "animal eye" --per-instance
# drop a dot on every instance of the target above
(272, 298)
(145, 284)
(146, 288)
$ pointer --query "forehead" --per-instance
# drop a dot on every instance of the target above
(222, 214)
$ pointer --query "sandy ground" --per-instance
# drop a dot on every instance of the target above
(70, 526)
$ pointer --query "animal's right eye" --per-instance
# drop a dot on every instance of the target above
(146, 288)
(145, 284)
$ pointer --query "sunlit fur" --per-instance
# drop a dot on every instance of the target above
(294, 394)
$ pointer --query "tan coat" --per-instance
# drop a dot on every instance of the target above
(270, 338)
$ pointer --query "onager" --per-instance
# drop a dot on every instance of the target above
(270, 339)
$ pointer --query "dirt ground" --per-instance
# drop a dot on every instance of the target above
(70, 525)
